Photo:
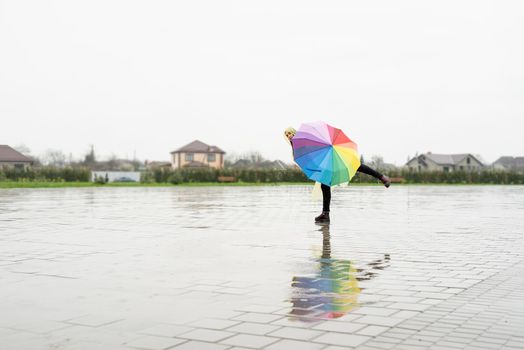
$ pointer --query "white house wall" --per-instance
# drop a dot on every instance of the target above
(113, 175)
(197, 157)
(474, 164)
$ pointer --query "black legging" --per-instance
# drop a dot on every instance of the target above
(326, 190)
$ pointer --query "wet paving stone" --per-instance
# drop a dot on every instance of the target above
(294, 345)
(410, 267)
(154, 343)
(250, 341)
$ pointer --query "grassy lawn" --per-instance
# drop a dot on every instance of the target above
(39, 184)
(43, 184)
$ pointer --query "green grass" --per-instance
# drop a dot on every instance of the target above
(41, 184)
(50, 184)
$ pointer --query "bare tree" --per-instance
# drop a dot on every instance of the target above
(54, 157)
(112, 162)
(90, 158)
(23, 149)
(231, 157)
(255, 157)
(377, 162)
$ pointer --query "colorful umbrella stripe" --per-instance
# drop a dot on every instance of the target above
(325, 154)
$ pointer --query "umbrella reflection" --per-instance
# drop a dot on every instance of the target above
(333, 291)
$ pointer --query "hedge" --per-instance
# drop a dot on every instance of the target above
(70, 174)
(67, 174)
(212, 175)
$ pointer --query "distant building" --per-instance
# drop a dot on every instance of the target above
(154, 164)
(11, 158)
(116, 165)
(445, 162)
(197, 155)
(509, 164)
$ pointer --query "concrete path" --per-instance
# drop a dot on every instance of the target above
(410, 267)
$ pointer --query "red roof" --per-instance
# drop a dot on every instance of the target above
(198, 147)
(8, 154)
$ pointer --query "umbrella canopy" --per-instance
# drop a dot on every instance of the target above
(325, 154)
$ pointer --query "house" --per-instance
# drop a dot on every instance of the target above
(11, 158)
(509, 164)
(116, 164)
(155, 164)
(197, 155)
(445, 162)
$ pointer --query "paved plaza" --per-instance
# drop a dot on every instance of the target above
(230, 268)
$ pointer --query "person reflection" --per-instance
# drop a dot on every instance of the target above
(333, 291)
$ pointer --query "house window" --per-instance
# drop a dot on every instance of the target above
(468, 160)
(446, 169)
(211, 157)
(461, 167)
(189, 157)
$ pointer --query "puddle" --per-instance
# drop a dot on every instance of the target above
(333, 290)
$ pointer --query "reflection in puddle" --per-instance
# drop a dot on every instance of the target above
(334, 290)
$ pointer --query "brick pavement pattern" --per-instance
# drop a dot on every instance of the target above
(411, 267)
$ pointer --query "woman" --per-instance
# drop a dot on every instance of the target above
(289, 133)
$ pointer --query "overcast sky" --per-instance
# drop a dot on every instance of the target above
(150, 76)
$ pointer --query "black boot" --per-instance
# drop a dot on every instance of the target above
(324, 217)
(385, 180)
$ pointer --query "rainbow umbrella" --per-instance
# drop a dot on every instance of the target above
(325, 154)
